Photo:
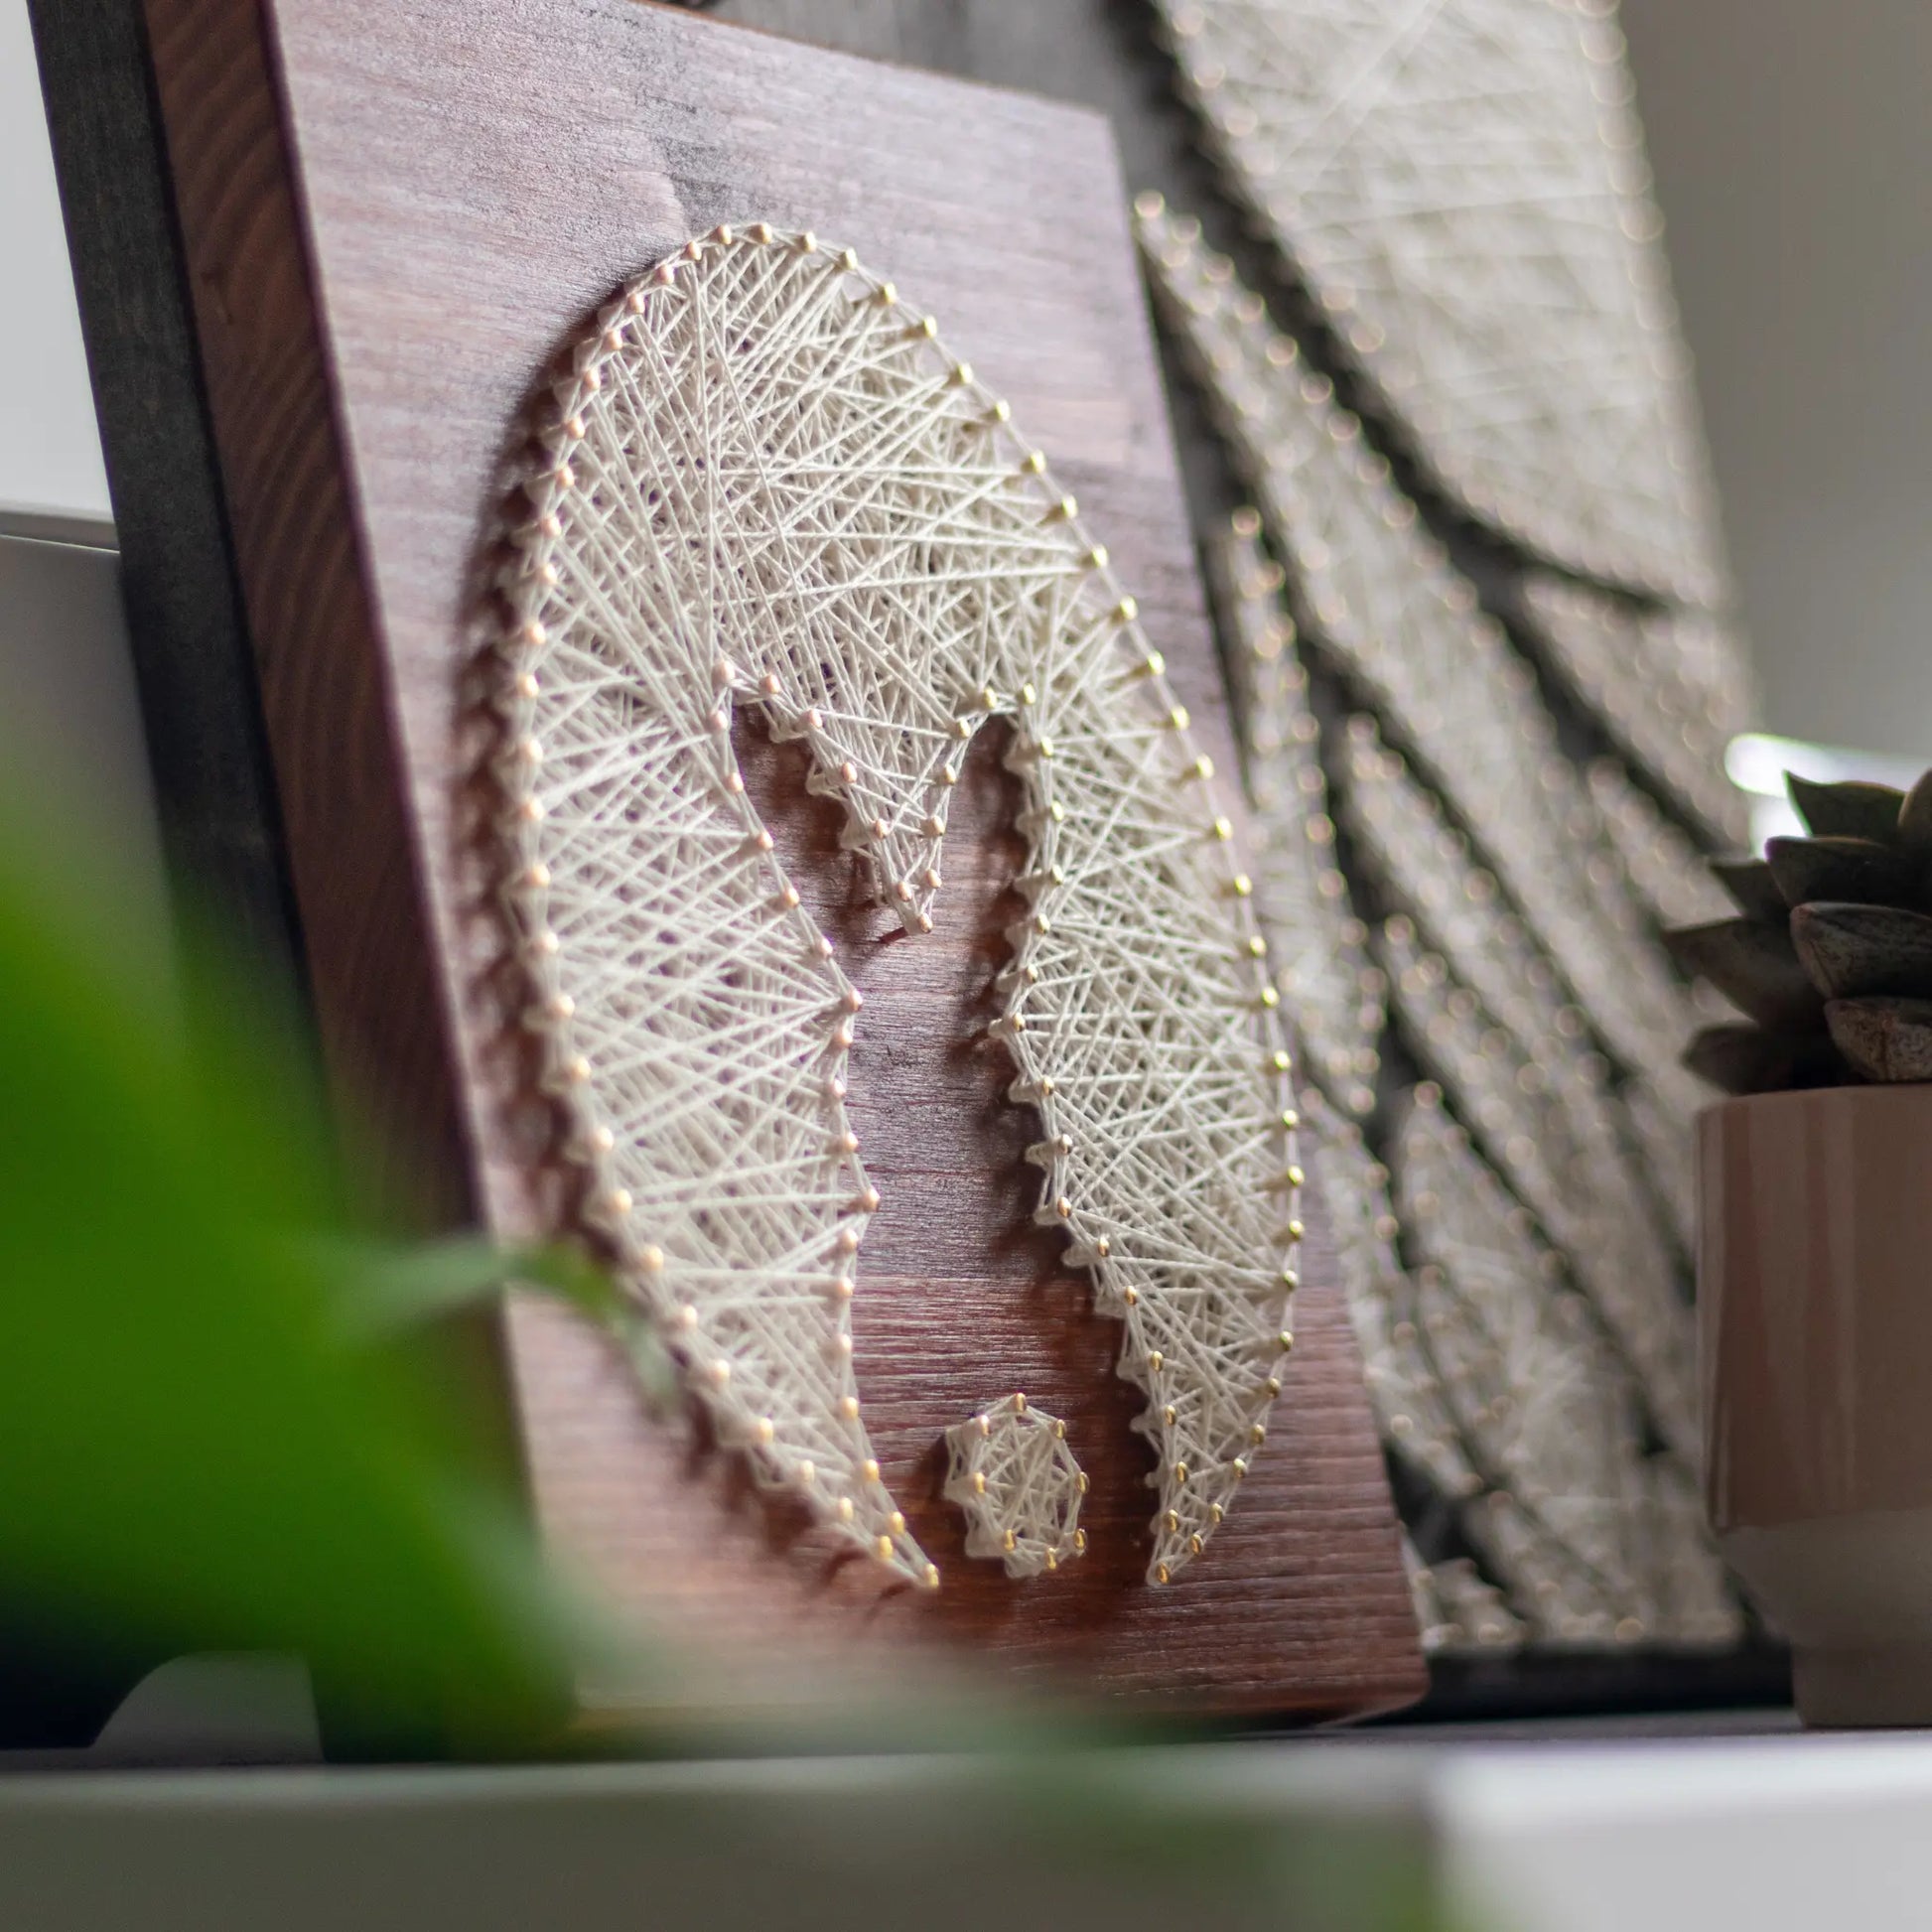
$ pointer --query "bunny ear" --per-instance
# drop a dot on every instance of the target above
(771, 486)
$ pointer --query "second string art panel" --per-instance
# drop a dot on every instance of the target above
(1443, 364)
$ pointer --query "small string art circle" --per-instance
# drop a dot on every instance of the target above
(767, 486)
(1019, 1485)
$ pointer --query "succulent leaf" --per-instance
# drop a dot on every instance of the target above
(1754, 966)
(1740, 1059)
(1851, 951)
(1916, 820)
(1852, 808)
(1885, 1039)
(1832, 960)
(1836, 867)
(1752, 888)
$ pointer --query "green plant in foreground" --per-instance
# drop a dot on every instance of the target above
(215, 1432)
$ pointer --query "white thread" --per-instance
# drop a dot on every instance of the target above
(1550, 1131)
(1463, 189)
(1456, 1611)
(1661, 1108)
(1428, 867)
(1634, 674)
(1396, 614)
(1521, 1066)
(1404, 1389)
(1537, 1090)
(1666, 870)
(1334, 996)
(769, 486)
(1019, 1484)
(1588, 1532)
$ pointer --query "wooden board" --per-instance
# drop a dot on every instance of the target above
(394, 216)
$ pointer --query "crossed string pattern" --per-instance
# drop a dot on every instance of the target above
(1404, 1388)
(1420, 164)
(1405, 625)
(769, 486)
(1666, 871)
(1455, 1609)
(1633, 672)
(1427, 865)
(1540, 1400)
(1484, 1012)
(1549, 1129)
(1019, 1485)
(1593, 1534)
(1489, 1017)
(1462, 187)
(1660, 1108)
(1334, 996)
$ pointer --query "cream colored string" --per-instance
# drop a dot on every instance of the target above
(1463, 189)
(769, 486)
(1012, 1473)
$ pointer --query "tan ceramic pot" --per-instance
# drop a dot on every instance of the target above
(1815, 1342)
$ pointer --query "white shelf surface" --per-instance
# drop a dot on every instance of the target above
(1774, 1834)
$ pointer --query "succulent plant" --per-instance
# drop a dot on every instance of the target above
(1830, 956)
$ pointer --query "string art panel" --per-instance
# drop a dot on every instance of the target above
(842, 508)
(1593, 1321)
(1403, 1384)
(1462, 187)
(1333, 994)
(1588, 1528)
(770, 488)
(1666, 869)
(1521, 1314)
(1455, 1608)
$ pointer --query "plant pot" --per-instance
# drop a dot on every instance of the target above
(1815, 1342)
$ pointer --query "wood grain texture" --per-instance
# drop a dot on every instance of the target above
(390, 245)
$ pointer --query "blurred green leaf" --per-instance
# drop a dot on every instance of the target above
(390, 1290)
(202, 1446)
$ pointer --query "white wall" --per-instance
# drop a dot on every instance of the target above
(71, 749)
(1792, 142)
(50, 456)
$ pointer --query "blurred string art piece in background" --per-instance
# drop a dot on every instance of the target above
(1019, 1485)
(767, 487)
(1521, 1310)
(1660, 682)
(1404, 626)
(1320, 946)
(1491, 1374)
(1464, 191)
(1600, 1538)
